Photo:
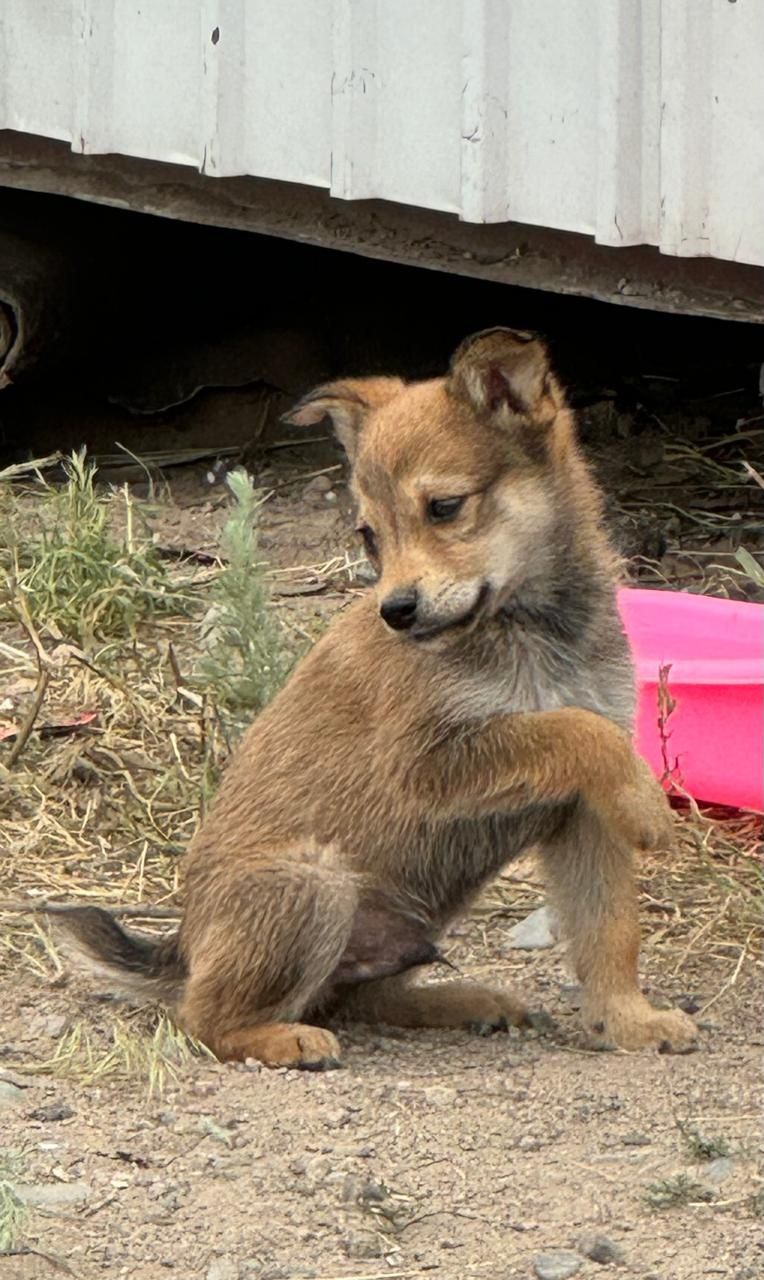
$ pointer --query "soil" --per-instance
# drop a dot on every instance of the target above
(429, 1153)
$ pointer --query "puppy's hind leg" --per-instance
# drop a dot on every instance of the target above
(260, 947)
(400, 1002)
(591, 878)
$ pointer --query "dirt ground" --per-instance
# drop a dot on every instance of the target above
(428, 1153)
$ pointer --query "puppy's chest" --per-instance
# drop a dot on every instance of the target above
(537, 677)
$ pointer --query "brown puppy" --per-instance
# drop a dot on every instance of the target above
(476, 703)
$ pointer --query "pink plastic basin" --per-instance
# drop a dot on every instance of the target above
(715, 648)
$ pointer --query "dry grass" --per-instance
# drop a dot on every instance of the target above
(148, 1051)
(705, 494)
(101, 810)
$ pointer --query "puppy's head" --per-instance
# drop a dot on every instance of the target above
(452, 480)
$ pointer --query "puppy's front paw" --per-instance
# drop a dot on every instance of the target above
(630, 1022)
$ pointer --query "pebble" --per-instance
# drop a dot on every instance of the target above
(636, 1139)
(601, 1249)
(52, 1112)
(351, 1190)
(571, 993)
(720, 1168)
(222, 1269)
(439, 1095)
(10, 1094)
(319, 484)
(337, 1117)
(538, 930)
(52, 1195)
(55, 1025)
(357, 1246)
(557, 1264)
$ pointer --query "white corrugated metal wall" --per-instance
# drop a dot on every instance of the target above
(636, 121)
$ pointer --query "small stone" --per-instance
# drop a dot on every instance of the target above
(601, 1249)
(358, 1246)
(10, 1094)
(529, 1143)
(635, 1140)
(351, 1190)
(538, 930)
(337, 1118)
(374, 1193)
(439, 1095)
(719, 1169)
(217, 1131)
(222, 1269)
(319, 484)
(55, 1025)
(52, 1195)
(330, 497)
(688, 1004)
(318, 1167)
(52, 1112)
(557, 1264)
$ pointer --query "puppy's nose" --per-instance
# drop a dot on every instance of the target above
(399, 608)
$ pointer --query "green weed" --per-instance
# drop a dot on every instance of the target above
(72, 572)
(247, 659)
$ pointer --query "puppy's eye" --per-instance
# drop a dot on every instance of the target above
(369, 541)
(439, 510)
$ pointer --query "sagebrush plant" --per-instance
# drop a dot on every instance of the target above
(247, 657)
(701, 1146)
(12, 1209)
(74, 574)
(676, 1192)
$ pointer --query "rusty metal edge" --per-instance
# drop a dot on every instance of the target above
(507, 253)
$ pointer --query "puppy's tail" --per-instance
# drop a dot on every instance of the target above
(152, 969)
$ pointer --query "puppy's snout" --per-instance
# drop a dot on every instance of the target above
(399, 608)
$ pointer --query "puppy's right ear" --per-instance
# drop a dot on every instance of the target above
(347, 403)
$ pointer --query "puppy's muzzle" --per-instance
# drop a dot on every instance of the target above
(399, 609)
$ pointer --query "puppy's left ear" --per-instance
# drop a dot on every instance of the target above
(505, 374)
(347, 403)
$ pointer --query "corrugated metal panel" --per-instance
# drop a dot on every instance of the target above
(635, 121)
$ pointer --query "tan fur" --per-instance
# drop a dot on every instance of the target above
(398, 771)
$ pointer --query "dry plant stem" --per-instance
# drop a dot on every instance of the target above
(25, 468)
(43, 678)
(30, 718)
(753, 473)
(306, 475)
(730, 981)
(139, 910)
